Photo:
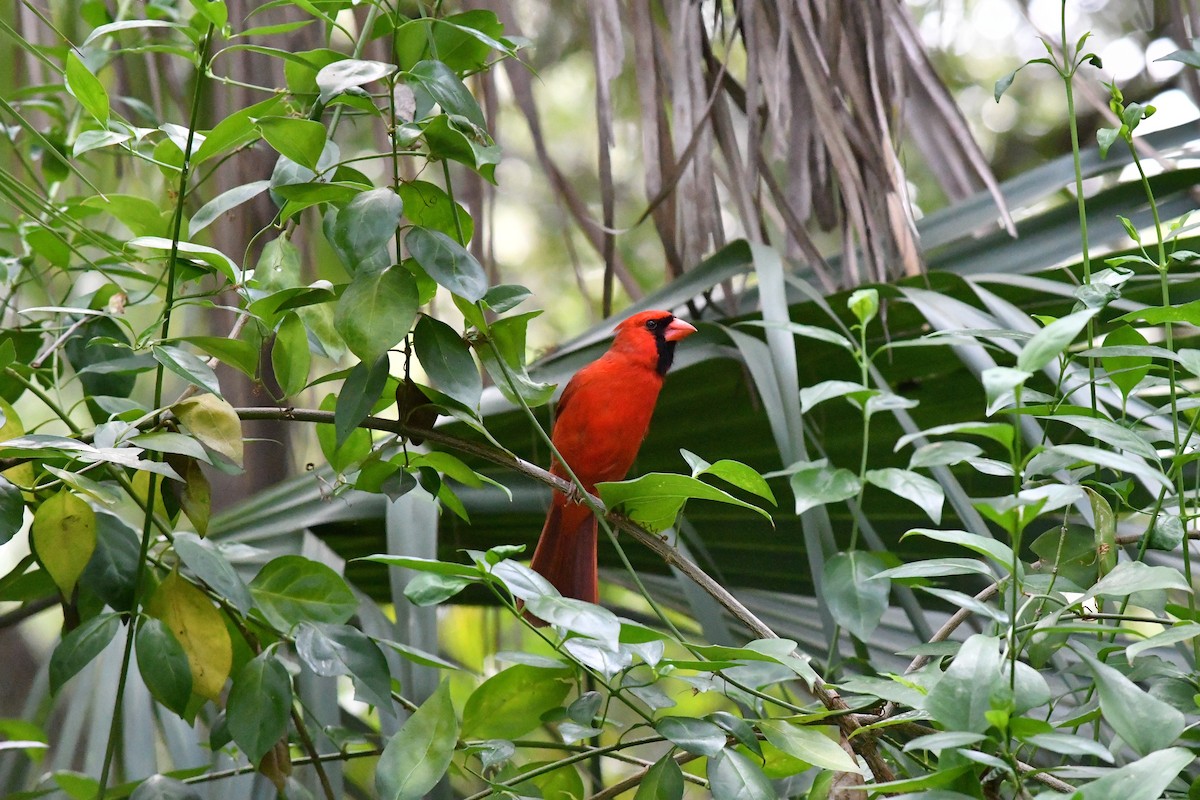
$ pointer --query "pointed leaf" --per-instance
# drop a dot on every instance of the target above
(733, 776)
(694, 735)
(1048, 343)
(199, 629)
(654, 500)
(80, 646)
(210, 565)
(367, 224)
(856, 602)
(63, 535)
(260, 705)
(448, 263)
(447, 360)
(924, 492)
(86, 88)
(343, 650)
(961, 698)
(811, 744)
(664, 781)
(511, 703)
(293, 589)
(1145, 723)
(376, 311)
(214, 422)
(300, 140)
(163, 665)
(417, 757)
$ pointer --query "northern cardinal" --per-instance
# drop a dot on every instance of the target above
(602, 419)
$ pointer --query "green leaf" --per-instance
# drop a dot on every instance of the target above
(236, 130)
(168, 442)
(1048, 343)
(811, 396)
(1070, 745)
(1129, 577)
(86, 88)
(207, 563)
(214, 422)
(335, 78)
(88, 141)
(362, 389)
(225, 201)
(300, 140)
(12, 511)
(1146, 779)
(811, 744)
(63, 536)
(163, 665)
(112, 570)
(1004, 82)
(417, 757)
(236, 353)
(1117, 462)
(943, 454)
(734, 472)
(1000, 385)
(1143, 721)
(194, 252)
(428, 589)
(864, 304)
(856, 602)
(448, 263)
(1110, 433)
(428, 206)
(290, 356)
(128, 24)
(330, 650)
(733, 776)
(1126, 372)
(511, 703)
(655, 500)
(1106, 138)
(664, 781)
(961, 698)
(293, 589)
(925, 492)
(816, 484)
(200, 630)
(187, 366)
(366, 224)
(693, 735)
(259, 706)
(443, 87)
(937, 742)
(80, 646)
(447, 360)
(1179, 632)
(376, 311)
(577, 616)
(998, 551)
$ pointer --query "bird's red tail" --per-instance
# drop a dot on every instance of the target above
(566, 551)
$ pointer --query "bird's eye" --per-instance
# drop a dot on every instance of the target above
(651, 324)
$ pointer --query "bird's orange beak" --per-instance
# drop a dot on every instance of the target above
(678, 329)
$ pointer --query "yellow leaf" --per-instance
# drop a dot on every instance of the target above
(22, 474)
(198, 626)
(214, 422)
(64, 537)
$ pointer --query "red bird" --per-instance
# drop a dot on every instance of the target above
(602, 419)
